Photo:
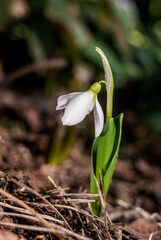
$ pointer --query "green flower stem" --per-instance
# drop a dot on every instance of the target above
(102, 81)
(109, 105)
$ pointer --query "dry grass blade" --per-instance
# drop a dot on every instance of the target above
(74, 207)
(50, 227)
(84, 224)
(19, 215)
(43, 198)
(28, 216)
(62, 192)
(24, 205)
(34, 213)
(76, 195)
(61, 206)
(80, 200)
(87, 214)
(57, 231)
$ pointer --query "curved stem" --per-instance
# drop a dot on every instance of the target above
(102, 81)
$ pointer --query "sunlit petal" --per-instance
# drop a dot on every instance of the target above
(64, 99)
(77, 108)
(98, 118)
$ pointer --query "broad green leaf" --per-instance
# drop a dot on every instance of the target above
(104, 157)
(105, 144)
(109, 169)
(101, 151)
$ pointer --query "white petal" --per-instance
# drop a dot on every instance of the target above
(98, 118)
(77, 108)
(64, 99)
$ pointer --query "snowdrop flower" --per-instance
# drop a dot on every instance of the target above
(78, 105)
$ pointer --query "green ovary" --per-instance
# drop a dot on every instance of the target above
(96, 88)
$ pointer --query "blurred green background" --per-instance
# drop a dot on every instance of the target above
(128, 31)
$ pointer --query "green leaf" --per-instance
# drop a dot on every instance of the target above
(101, 150)
(93, 187)
(95, 206)
(104, 157)
(105, 144)
(109, 169)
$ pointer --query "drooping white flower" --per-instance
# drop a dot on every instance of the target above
(78, 105)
